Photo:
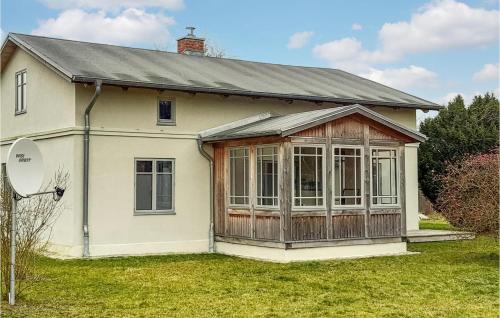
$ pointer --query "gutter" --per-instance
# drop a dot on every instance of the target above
(86, 144)
(211, 230)
(244, 93)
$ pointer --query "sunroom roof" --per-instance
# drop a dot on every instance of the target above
(275, 125)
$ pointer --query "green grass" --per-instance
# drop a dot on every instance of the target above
(435, 222)
(447, 279)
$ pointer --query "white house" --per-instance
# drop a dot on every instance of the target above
(178, 152)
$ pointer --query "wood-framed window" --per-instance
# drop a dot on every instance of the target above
(154, 186)
(385, 176)
(166, 111)
(309, 176)
(267, 176)
(239, 183)
(348, 176)
(21, 98)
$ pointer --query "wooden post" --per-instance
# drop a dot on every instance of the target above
(252, 191)
(286, 192)
(366, 144)
(328, 158)
(227, 182)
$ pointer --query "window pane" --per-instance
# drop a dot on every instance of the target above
(144, 166)
(267, 175)
(19, 98)
(164, 166)
(23, 77)
(384, 180)
(347, 152)
(164, 192)
(144, 190)
(18, 79)
(23, 100)
(308, 180)
(384, 177)
(239, 170)
(308, 150)
(308, 176)
(165, 110)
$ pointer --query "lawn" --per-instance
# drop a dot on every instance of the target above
(435, 222)
(447, 279)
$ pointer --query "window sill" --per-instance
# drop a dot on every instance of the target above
(166, 123)
(140, 213)
(347, 207)
(20, 113)
(309, 209)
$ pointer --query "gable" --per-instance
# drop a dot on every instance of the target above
(352, 127)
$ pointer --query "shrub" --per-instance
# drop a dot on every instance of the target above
(457, 131)
(469, 197)
(35, 217)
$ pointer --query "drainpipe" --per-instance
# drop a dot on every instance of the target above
(211, 234)
(86, 140)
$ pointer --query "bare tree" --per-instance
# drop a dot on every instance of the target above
(213, 50)
(35, 219)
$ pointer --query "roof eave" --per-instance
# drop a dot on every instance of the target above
(223, 91)
(241, 136)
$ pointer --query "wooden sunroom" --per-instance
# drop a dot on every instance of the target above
(325, 178)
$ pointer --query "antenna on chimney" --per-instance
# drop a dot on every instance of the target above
(190, 30)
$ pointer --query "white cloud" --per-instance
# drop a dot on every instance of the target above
(441, 25)
(489, 72)
(130, 26)
(438, 25)
(357, 27)
(348, 54)
(113, 5)
(299, 39)
(412, 76)
(444, 100)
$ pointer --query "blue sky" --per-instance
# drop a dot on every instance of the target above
(433, 49)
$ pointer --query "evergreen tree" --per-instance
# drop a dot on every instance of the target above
(455, 132)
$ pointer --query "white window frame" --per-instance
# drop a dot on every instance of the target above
(362, 158)
(398, 181)
(154, 173)
(166, 122)
(247, 182)
(324, 156)
(277, 206)
(19, 107)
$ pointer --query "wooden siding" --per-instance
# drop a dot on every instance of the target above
(346, 128)
(239, 223)
(318, 131)
(385, 224)
(220, 196)
(308, 228)
(267, 227)
(348, 226)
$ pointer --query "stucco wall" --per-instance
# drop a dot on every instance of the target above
(50, 98)
(58, 154)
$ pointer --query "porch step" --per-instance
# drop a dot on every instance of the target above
(417, 236)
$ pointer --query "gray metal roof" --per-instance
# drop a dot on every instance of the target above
(115, 65)
(268, 125)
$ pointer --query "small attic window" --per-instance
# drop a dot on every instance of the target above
(166, 111)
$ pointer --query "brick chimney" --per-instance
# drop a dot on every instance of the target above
(190, 44)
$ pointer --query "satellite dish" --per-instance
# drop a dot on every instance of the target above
(25, 167)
